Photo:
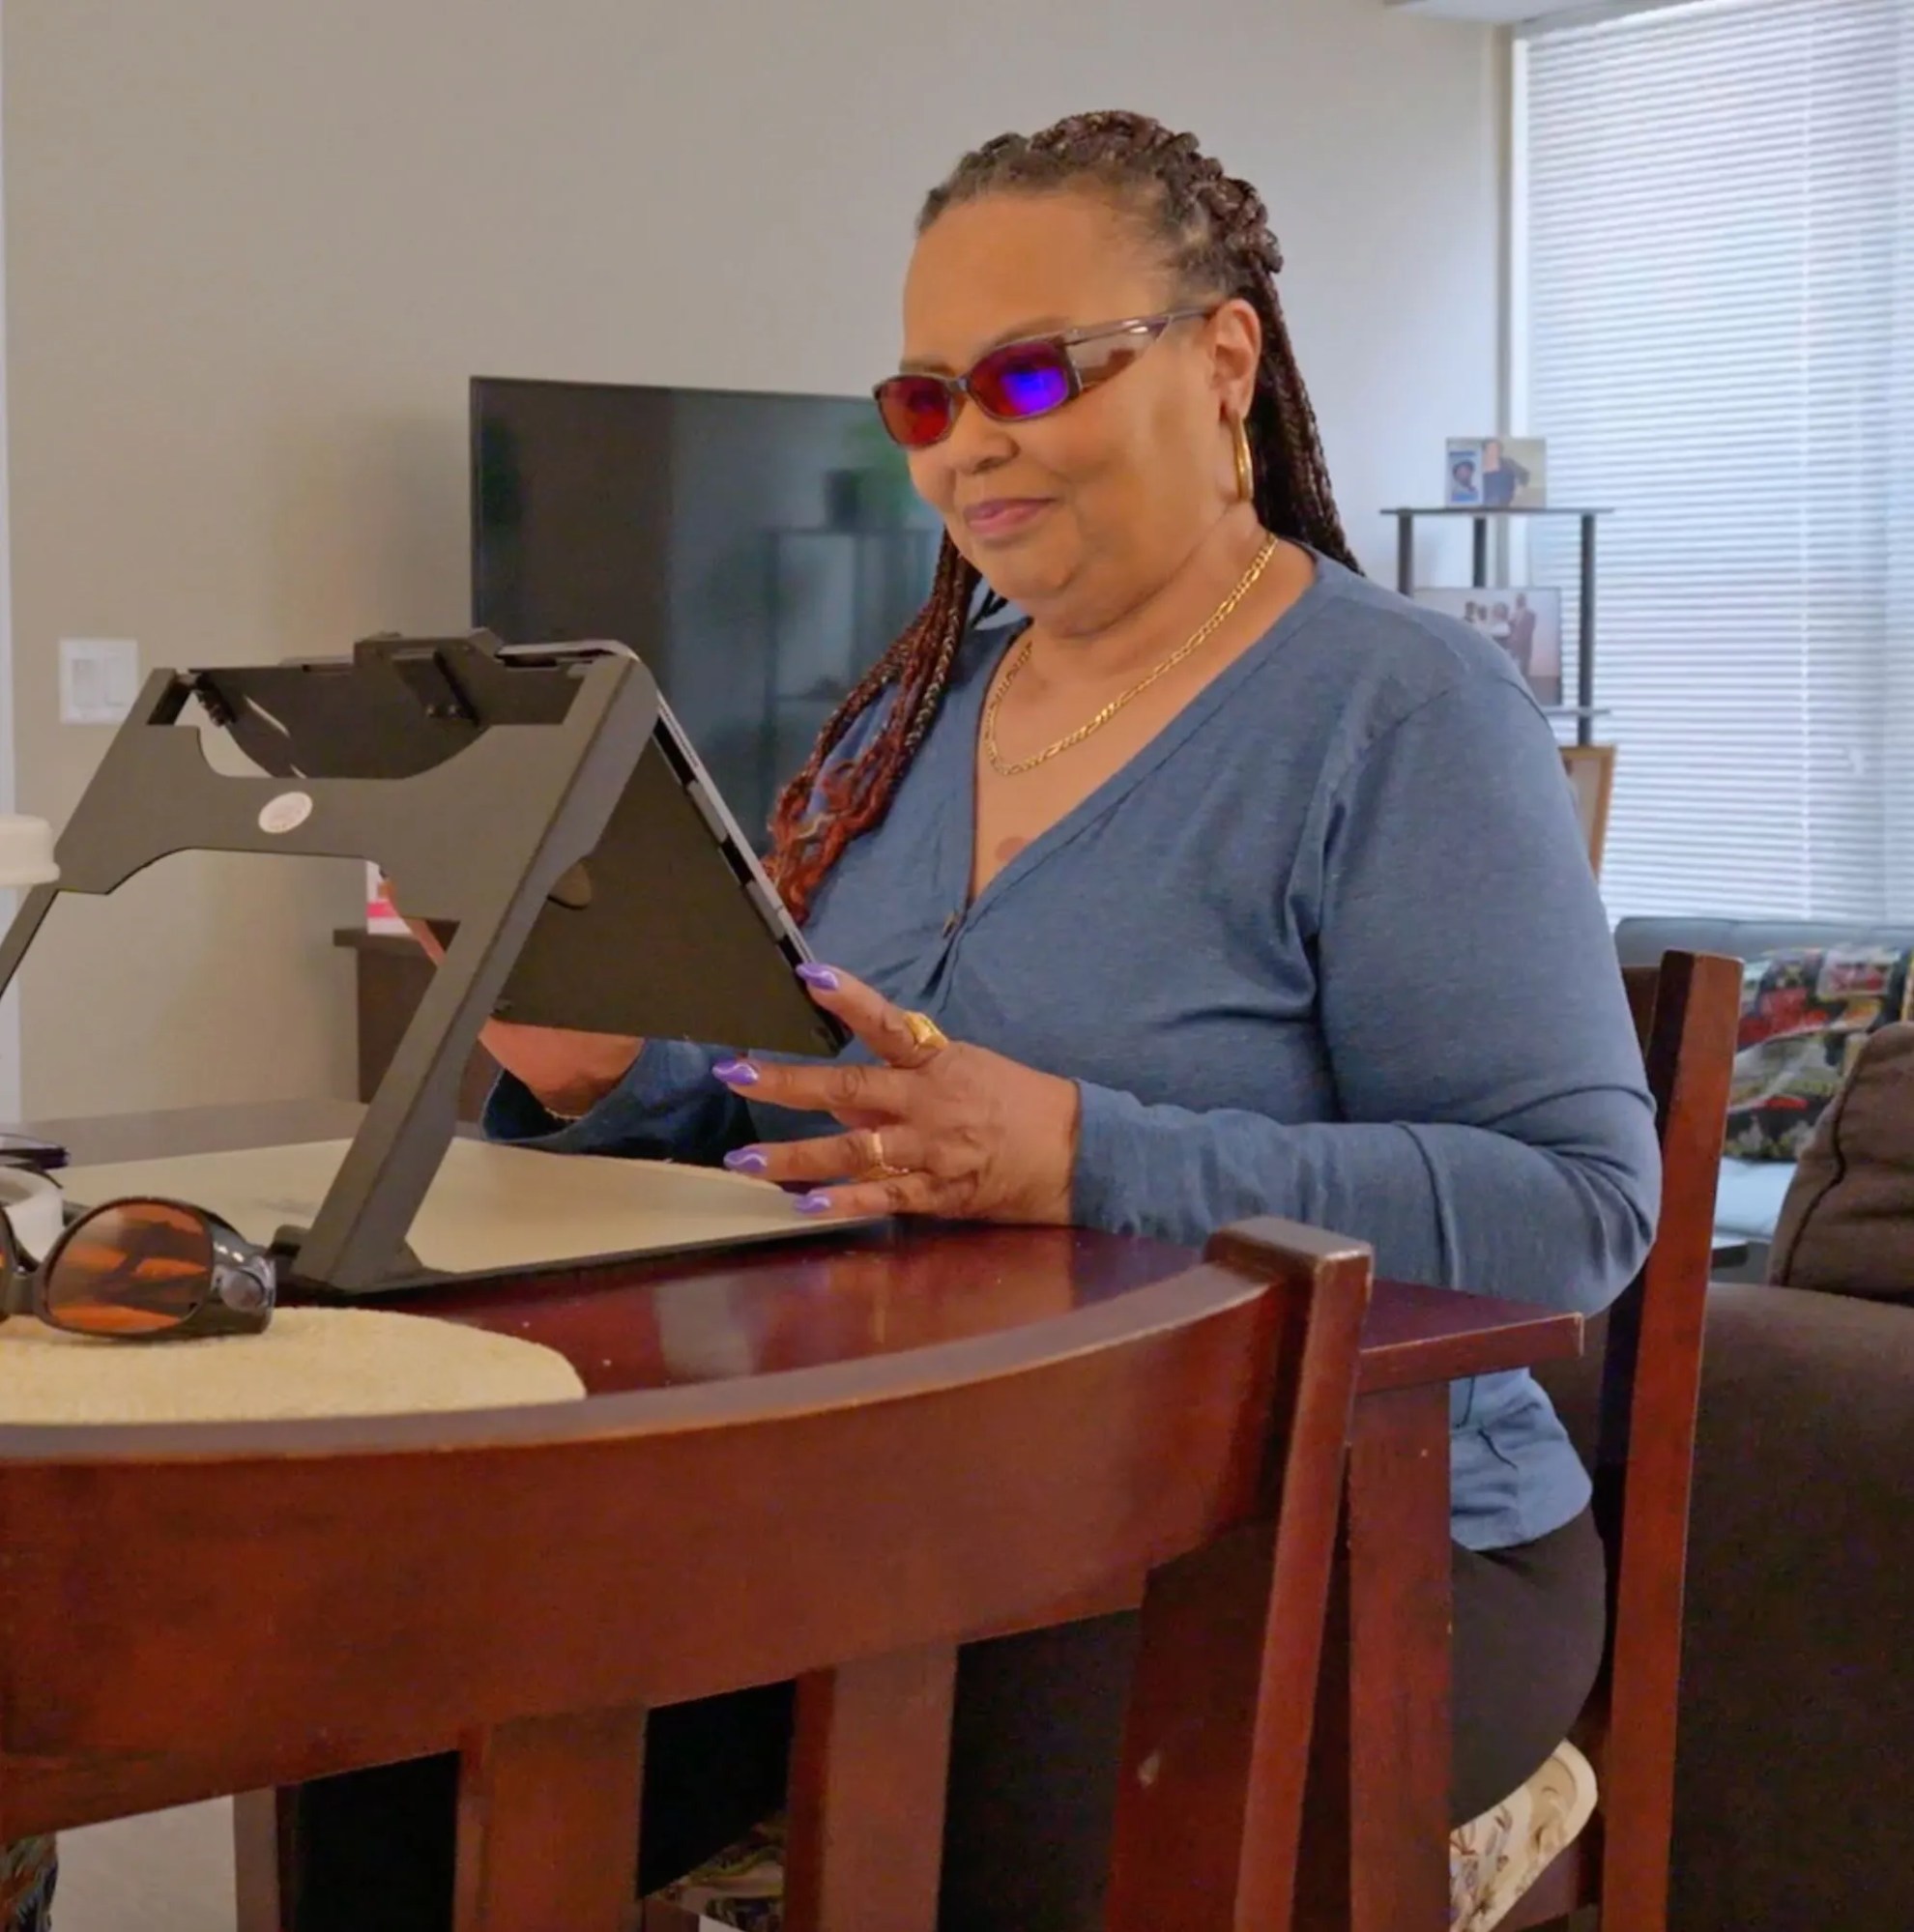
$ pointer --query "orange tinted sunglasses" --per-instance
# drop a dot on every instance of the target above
(141, 1271)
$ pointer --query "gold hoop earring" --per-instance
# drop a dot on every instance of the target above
(1245, 460)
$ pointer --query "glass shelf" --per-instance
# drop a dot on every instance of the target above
(1478, 516)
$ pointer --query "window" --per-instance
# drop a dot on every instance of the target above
(1714, 328)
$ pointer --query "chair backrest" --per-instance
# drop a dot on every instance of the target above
(1686, 1012)
(186, 1610)
(1216, 1751)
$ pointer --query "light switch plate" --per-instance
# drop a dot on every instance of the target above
(99, 680)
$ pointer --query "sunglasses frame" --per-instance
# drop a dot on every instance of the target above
(1082, 380)
(234, 1260)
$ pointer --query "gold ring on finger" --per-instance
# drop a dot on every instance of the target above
(925, 1033)
(880, 1169)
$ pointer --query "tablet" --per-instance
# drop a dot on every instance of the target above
(669, 929)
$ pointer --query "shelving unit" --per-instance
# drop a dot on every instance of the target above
(1583, 710)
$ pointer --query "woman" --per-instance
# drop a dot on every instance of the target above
(1228, 884)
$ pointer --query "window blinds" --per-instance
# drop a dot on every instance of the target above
(1714, 328)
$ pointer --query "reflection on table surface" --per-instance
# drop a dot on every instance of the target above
(703, 1318)
(836, 1297)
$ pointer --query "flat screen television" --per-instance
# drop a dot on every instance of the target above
(758, 551)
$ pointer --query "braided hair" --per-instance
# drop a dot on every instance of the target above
(1214, 232)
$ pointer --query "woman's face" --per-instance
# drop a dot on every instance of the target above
(1079, 515)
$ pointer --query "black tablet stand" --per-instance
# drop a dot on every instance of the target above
(506, 788)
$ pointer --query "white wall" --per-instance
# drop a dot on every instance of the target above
(254, 249)
(10, 1005)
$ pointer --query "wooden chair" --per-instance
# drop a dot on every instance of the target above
(188, 1611)
(1687, 1013)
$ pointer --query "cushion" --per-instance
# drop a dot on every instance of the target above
(742, 1887)
(1794, 1781)
(1847, 1223)
(1805, 1013)
(1494, 1859)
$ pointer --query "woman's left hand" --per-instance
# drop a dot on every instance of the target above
(965, 1133)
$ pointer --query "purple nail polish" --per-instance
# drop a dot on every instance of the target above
(745, 1161)
(736, 1073)
(811, 1203)
(819, 976)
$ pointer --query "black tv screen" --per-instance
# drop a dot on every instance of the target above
(758, 551)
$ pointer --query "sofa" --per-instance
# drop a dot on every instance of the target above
(1794, 1771)
(1749, 1199)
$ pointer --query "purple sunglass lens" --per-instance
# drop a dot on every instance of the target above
(1023, 381)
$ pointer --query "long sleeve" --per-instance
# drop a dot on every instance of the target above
(1496, 1132)
(667, 1107)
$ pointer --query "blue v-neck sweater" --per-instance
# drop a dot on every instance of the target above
(1328, 947)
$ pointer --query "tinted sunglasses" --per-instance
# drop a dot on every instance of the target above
(141, 1271)
(1021, 379)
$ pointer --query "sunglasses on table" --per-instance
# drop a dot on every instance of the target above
(141, 1271)
(1021, 379)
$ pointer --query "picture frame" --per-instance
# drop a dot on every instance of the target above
(1591, 770)
(1496, 472)
(1523, 620)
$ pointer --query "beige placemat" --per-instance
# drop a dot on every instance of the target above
(489, 1208)
(311, 1362)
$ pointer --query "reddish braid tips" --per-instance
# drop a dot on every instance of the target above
(1214, 232)
(828, 804)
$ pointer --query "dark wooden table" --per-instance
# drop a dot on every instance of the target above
(1384, 1720)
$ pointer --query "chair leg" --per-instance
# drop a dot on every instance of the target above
(548, 1823)
(869, 1768)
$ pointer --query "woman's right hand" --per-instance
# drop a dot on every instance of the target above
(565, 1071)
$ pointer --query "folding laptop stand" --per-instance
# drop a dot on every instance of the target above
(507, 791)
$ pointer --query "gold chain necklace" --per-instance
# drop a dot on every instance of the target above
(1008, 768)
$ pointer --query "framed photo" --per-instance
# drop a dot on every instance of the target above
(1496, 472)
(1591, 777)
(1526, 623)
